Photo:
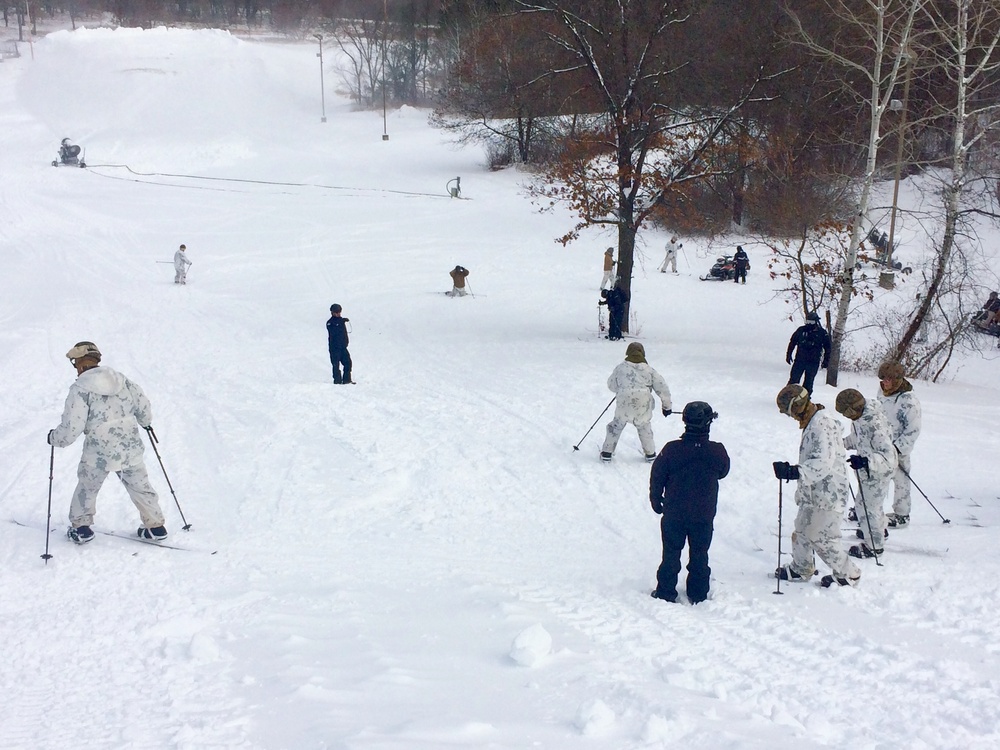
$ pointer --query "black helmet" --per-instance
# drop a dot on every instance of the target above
(335, 308)
(814, 316)
(698, 415)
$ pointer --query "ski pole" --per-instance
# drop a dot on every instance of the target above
(943, 519)
(164, 261)
(153, 440)
(577, 446)
(777, 590)
(48, 516)
(868, 516)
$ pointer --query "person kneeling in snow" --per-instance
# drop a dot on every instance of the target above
(821, 493)
(684, 490)
(108, 408)
(632, 382)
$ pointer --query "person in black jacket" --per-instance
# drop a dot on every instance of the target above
(615, 298)
(684, 491)
(337, 338)
(741, 261)
(811, 344)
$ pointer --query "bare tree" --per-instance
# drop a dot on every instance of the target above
(870, 40)
(629, 57)
(960, 44)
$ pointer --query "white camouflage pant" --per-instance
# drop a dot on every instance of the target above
(671, 261)
(869, 509)
(818, 531)
(608, 280)
(901, 487)
(643, 427)
(136, 481)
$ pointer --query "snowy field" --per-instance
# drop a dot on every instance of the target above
(380, 548)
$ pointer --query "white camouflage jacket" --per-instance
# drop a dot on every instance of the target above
(109, 409)
(902, 409)
(870, 437)
(632, 383)
(822, 481)
(180, 260)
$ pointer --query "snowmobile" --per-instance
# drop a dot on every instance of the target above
(978, 319)
(724, 269)
(69, 155)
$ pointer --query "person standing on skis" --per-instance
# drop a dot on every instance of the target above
(181, 263)
(902, 409)
(458, 275)
(684, 491)
(874, 463)
(633, 382)
(108, 408)
(670, 259)
(821, 494)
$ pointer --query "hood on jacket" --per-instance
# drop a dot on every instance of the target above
(101, 380)
(635, 352)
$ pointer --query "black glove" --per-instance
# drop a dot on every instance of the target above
(666, 412)
(784, 470)
(48, 438)
(657, 506)
(858, 462)
(826, 364)
(788, 360)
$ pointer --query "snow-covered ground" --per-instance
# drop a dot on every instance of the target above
(420, 560)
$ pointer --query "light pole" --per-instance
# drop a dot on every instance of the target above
(322, 88)
(385, 51)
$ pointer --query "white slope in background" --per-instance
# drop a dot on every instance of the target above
(381, 547)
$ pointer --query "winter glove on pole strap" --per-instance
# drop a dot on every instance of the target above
(657, 506)
(666, 412)
(784, 470)
(788, 359)
(858, 462)
(48, 438)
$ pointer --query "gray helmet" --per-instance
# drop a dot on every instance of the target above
(698, 415)
(84, 350)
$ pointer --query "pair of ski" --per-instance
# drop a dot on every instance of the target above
(129, 538)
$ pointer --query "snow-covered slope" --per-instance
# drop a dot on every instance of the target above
(378, 548)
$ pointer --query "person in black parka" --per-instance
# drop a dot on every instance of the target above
(337, 339)
(811, 344)
(615, 298)
(684, 491)
(741, 261)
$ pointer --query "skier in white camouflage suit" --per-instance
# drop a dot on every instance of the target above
(821, 493)
(108, 408)
(874, 463)
(632, 381)
(902, 409)
(181, 263)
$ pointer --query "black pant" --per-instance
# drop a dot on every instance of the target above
(698, 535)
(615, 323)
(802, 366)
(741, 273)
(340, 357)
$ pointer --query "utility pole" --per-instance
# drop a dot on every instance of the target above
(322, 87)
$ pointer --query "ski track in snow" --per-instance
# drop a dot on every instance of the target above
(382, 545)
